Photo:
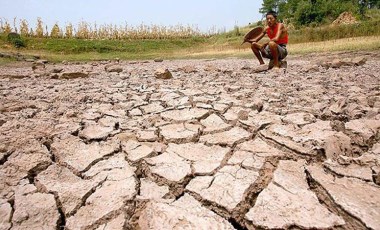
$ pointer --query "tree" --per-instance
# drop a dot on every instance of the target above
(305, 12)
(39, 28)
(55, 31)
(6, 27)
(69, 31)
(24, 27)
(269, 5)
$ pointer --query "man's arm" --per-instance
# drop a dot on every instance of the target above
(260, 37)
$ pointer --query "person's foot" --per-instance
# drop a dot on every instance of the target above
(260, 68)
(271, 64)
(282, 64)
(276, 69)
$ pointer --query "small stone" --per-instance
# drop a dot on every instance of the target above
(188, 69)
(73, 75)
(163, 74)
(359, 61)
(57, 70)
(38, 66)
(260, 68)
(113, 68)
(243, 115)
(336, 63)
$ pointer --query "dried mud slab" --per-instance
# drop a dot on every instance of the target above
(185, 114)
(204, 159)
(5, 215)
(185, 213)
(109, 198)
(71, 151)
(70, 188)
(180, 133)
(226, 188)
(151, 191)
(213, 124)
(164, 164)
(36, 211)
(136, 150)
(288, 201)
(310, 139)
(227, 138)
(96, 132)
(359, 199)
(29, 158)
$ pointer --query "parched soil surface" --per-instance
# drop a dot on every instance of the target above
(107, 145)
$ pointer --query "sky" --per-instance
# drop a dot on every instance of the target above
(203, 14)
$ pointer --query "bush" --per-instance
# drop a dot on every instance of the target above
(16, 40)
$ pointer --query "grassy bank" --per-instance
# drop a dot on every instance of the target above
(362, 36)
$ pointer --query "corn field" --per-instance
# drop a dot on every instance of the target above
(86, 30)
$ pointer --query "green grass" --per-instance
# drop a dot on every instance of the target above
(76, 46)
(4, 61)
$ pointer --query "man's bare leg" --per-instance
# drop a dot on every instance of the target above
(274, 51)
(256, 50)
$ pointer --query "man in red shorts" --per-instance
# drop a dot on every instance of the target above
(275, 49)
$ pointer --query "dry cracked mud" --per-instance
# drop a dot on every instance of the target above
(107, 145)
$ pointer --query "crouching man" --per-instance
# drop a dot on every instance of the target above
(275, 49)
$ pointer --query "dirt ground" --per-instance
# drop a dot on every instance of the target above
(107, 145)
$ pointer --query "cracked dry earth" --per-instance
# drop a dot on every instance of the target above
(215, 147)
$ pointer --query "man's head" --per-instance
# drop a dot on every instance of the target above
(271, 18)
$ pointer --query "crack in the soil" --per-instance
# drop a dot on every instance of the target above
(86, 196)
(61, 222)
(133, 210)
(251, 194)
(5, 158)
(176, 189)
(293, 153)
(12, 203)
(40, 167)
(338, 175)
(325, 199)
(105, 157)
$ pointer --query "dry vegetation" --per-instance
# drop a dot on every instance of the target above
(85, 30)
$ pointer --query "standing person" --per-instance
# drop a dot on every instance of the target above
(275, 49)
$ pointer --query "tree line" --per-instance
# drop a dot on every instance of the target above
(306, 12)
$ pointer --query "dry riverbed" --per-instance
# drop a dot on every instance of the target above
(107, 145)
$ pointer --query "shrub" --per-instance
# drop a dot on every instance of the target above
(16, 40)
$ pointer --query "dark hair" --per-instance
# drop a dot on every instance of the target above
(272, 12)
